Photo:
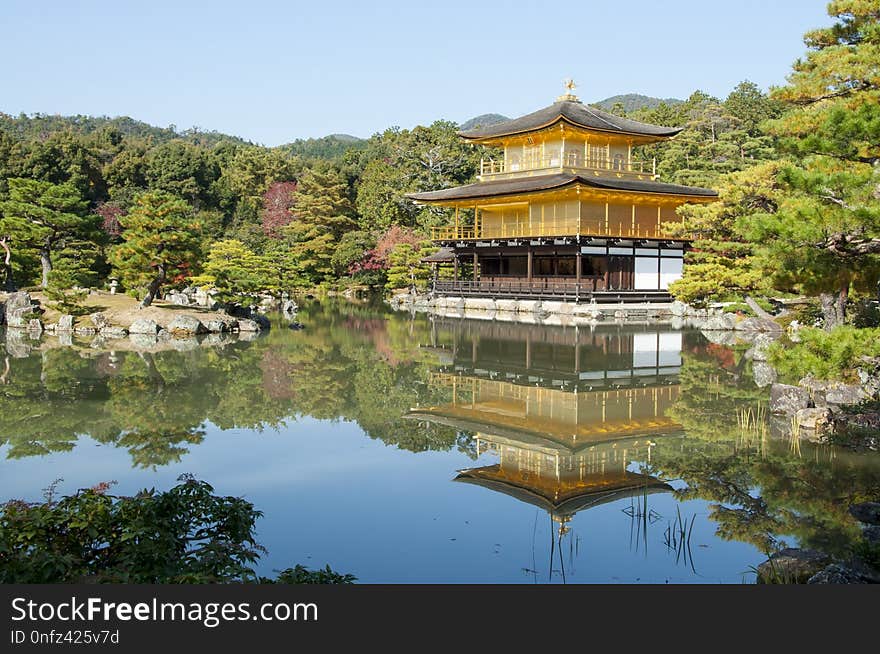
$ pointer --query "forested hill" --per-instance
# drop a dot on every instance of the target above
(483, 120)
(634, 102)
(326, 147)
(39, 126)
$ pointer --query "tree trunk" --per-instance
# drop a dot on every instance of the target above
(8, 282)
(46, 262)
(153, 288)
(834, 307)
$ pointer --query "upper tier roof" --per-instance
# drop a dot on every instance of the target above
(575, 113)
(519, 185)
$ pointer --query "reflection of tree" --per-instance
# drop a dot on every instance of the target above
(761, 490)
(155, 403)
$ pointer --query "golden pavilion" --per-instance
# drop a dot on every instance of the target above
(564, 211)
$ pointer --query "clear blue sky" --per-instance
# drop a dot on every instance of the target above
(272, 71)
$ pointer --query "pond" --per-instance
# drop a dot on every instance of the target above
(404, 448)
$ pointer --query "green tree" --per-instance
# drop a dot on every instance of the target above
(722, 263)
(826, 234)
(234, 270)
(405, 267)
(323, 213)
(159, 242)
(40, 217)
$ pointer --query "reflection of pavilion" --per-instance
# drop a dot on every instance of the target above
(566, 411)
(610, 356)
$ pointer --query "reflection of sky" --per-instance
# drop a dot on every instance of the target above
(332, 495)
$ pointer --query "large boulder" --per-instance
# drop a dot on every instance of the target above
(114, 332)
(792, 566)
(788, 399)
(65, 323)
(144, 326)
(17, 301)
(185, 324)
(845, 394)
(34, 326)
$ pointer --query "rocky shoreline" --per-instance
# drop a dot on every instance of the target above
(26, 326)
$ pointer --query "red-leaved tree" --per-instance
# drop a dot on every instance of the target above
(278, 201)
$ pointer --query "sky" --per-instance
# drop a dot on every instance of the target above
(272, 71)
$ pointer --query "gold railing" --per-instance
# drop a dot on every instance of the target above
(571, 160)
(568, 227)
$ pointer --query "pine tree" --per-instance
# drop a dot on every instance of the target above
(159, 242)
(826, 233)
(40, 217)
(323, 213)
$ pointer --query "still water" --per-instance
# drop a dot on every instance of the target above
(401, 448)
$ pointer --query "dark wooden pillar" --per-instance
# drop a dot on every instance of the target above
(577, 275)
(529, 265)
(476, 267)
(455, 269)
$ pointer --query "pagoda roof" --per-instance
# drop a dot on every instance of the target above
(565, 500)
(575, 113)
(556, 181)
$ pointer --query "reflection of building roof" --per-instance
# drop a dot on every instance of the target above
(574, 113)
(557, 435)
(563, 498)
(553, 182)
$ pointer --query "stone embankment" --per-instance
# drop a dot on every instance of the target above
(164, 329)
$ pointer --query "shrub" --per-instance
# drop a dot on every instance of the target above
(183, 535)
(825, 355)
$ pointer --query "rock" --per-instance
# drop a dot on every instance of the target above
(679, 308)
(763, 374)
(247, 325)
(792, 566)
(216, 326)
(164, 336)
(620, 314)
(17, 305)
(65, 323)
(99, 320)
(98, 343)
(288, 307)
(143, 326)
(34, 326)
(296, 325)
(178, 299)
(788, 399)
(761, 346)
(757, 325)
(845, 394)
(114, 332)
(85, 331)
(186, 325)
(817, 419)
(867, 512)
(837, 573)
